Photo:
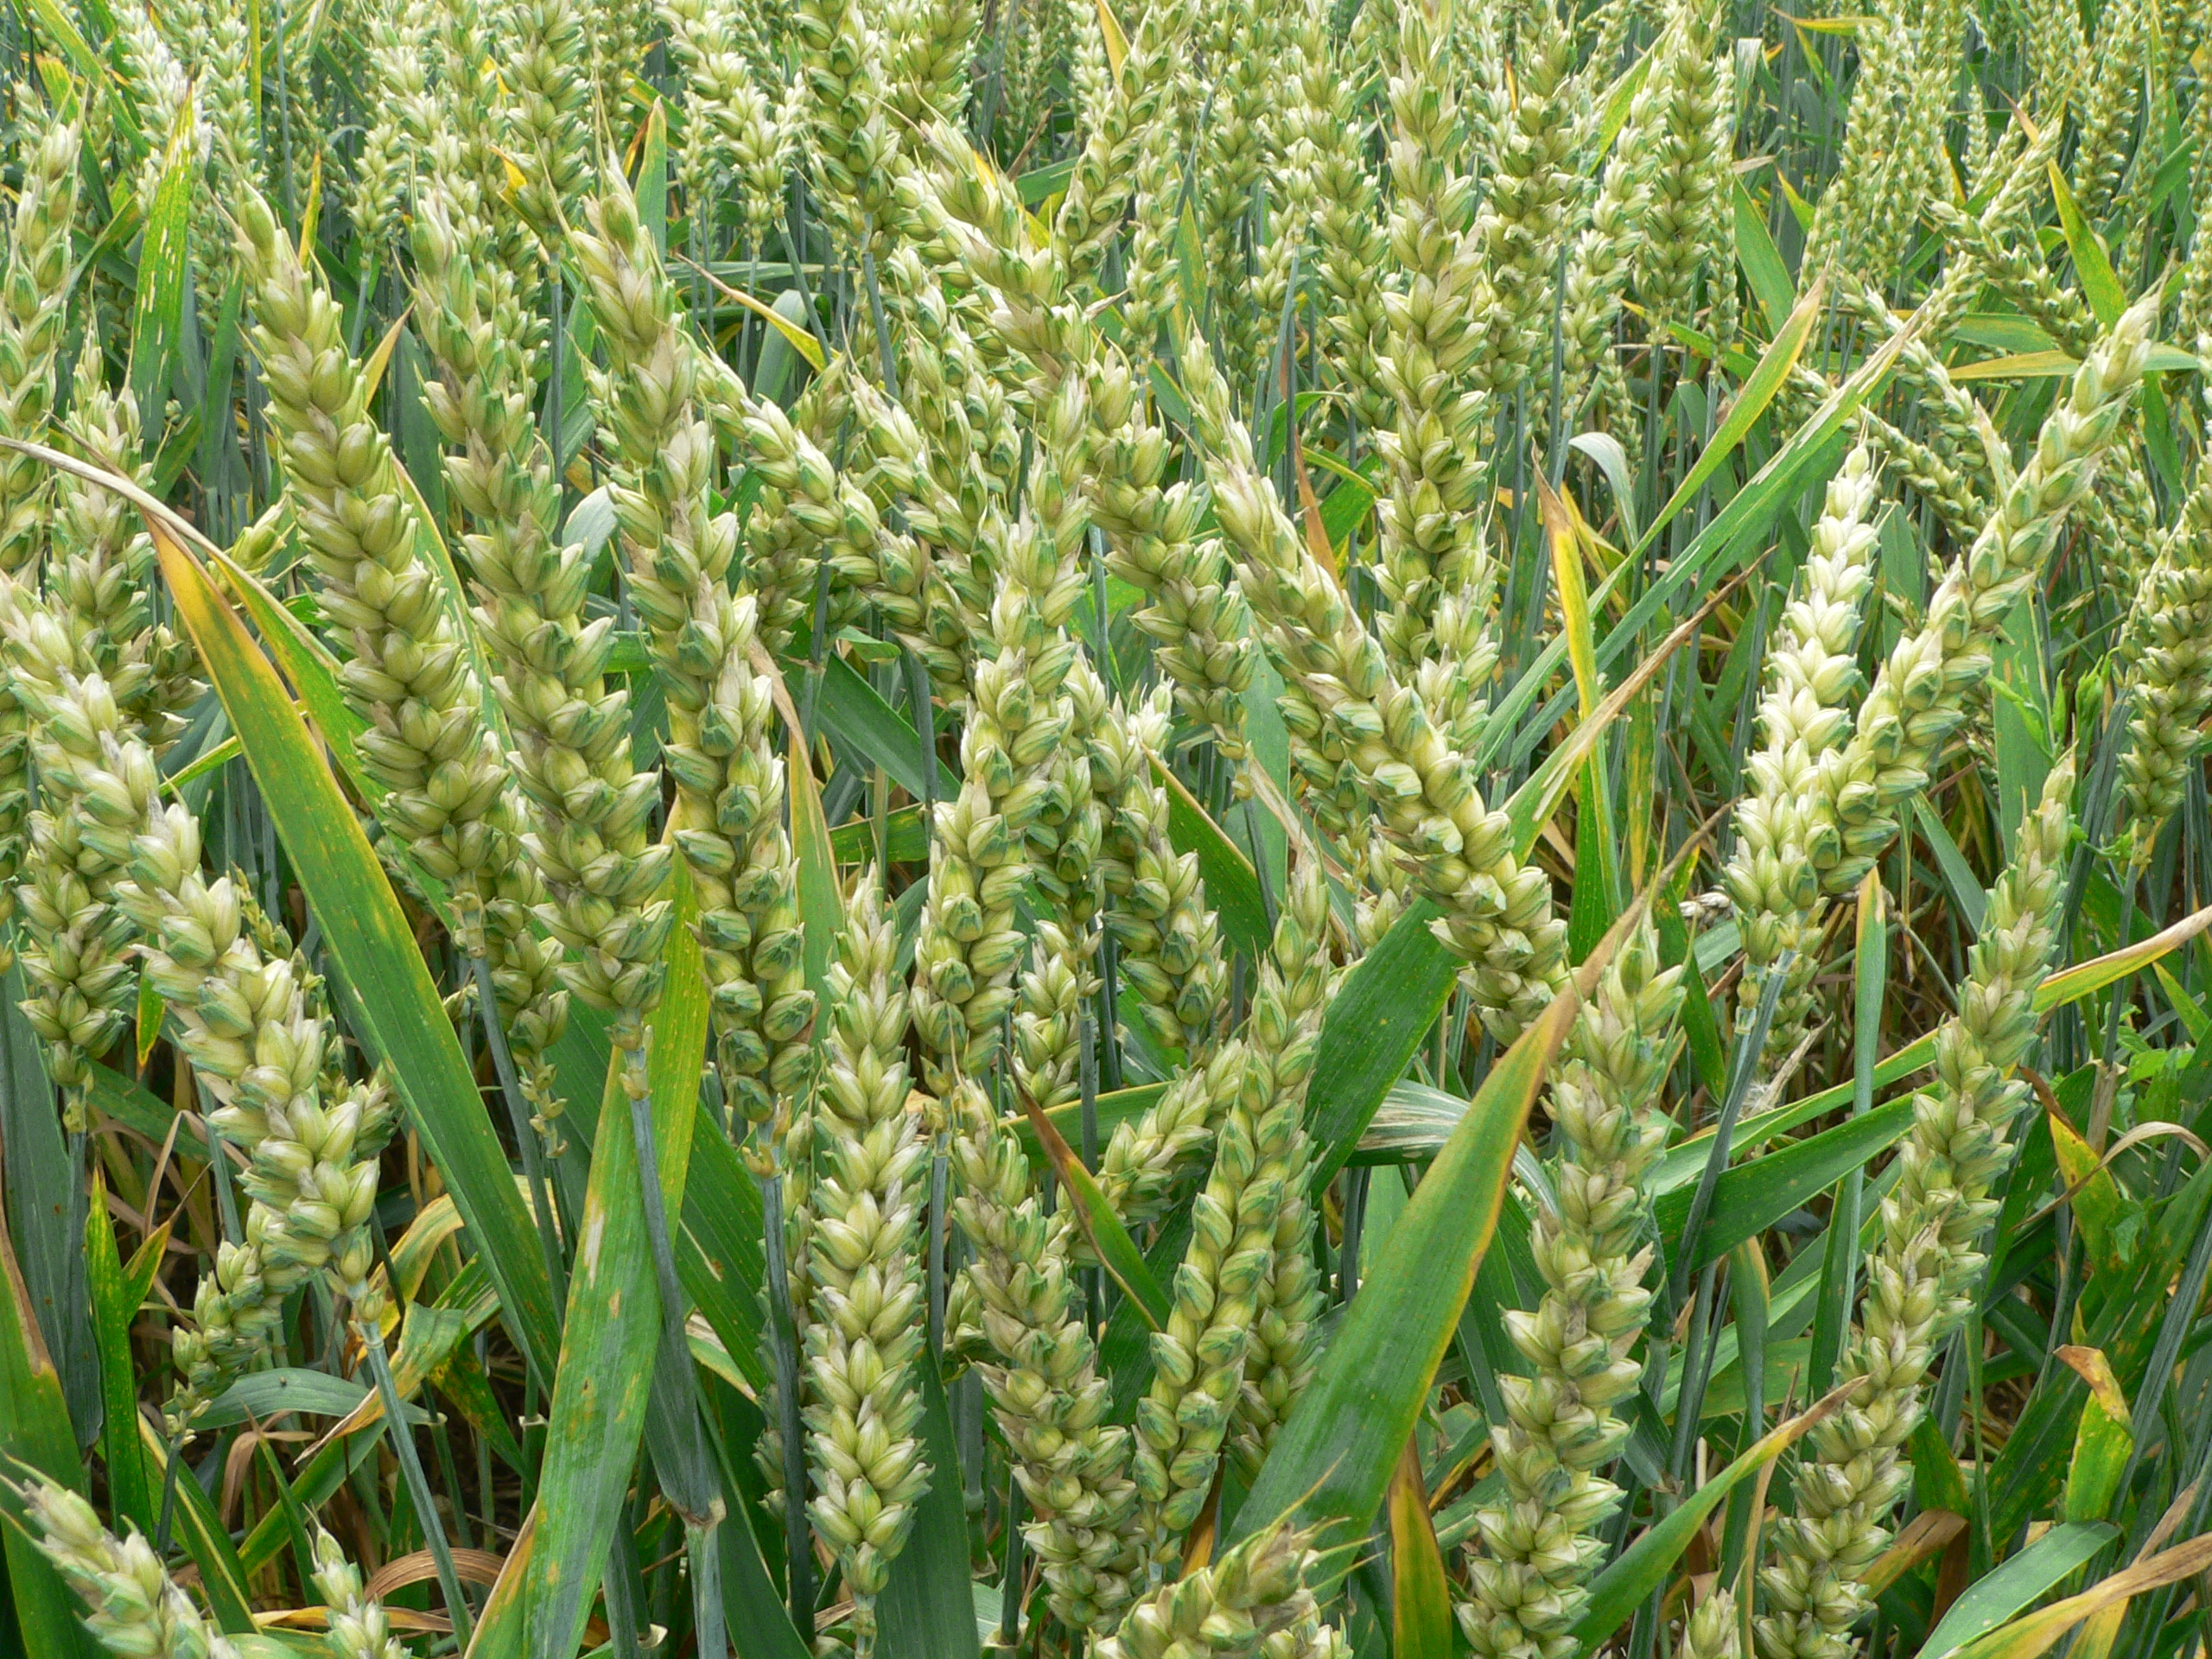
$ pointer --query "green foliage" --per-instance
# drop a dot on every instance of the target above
(1195, 829)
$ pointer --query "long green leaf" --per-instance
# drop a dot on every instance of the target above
(1379, 1016)
(116, 1293)
(1752, 1197)
(368, 937)
(821, 905)
(2100, 283)
(718, 1250)
(926, 1609)
(847, 707)
(157, 315)
(1995, 1599)
(1765, 381)
(1094, 1213)
(1762, 261)
(35, 1430)
(1336, 1455)
(1684, 1158)
(1232, 889)
(43, 1183)
(614, 1312)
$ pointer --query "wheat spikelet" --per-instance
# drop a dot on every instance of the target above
(1431, 560)
(86, 660)
(1534, 198)
(398, 57)
(864, 1333)
(980, 857)
(2108, 108)
(1812, 671)
(926, 77)
(359, 1629)
(1688, 221)
(2169, 677)
(1351, 249)
(1241, 41)
(734, 131)
(1042, 1374)
(34, 311)
(571, 751)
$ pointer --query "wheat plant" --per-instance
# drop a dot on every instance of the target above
(1105, 828)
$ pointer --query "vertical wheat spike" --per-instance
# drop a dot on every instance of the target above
(721, 751)
(1535, 196)
(1538, 1547)
(87, 661)
(980, 857)
(34, 313)
(1042, 1374)
(408, 673)
(864, 1337)
(548, 110)
(1924, 1265)
(1812, 670)
(2169, 640)
(1432, 561)
(1261, 1163)
(1362, 737)
(588, 806)
(853, 140)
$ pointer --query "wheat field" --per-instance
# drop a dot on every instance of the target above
(1290, 828)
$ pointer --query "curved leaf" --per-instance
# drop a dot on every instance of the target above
(1643, 1568)
(369, 938)
(1335, 1456)
(614, 1312)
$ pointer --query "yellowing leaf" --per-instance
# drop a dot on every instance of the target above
(379, 360)
(800, 341)
(1117, 44)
